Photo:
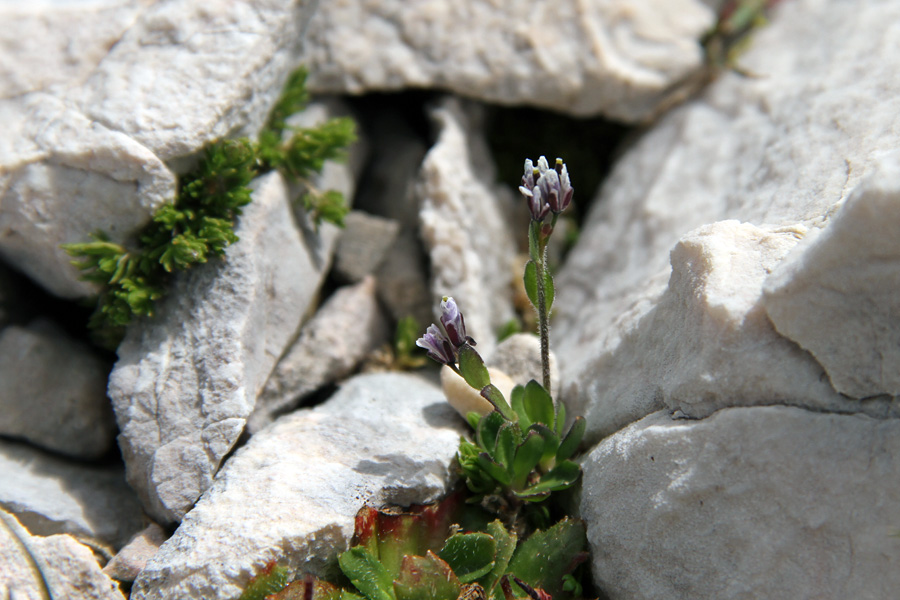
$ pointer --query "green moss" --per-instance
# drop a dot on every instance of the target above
(199, 224)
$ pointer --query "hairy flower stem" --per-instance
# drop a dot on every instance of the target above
(538, 251)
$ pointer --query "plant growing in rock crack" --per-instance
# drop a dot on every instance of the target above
(200, 222)
(520, 450)
(420, 554)
(730, 37)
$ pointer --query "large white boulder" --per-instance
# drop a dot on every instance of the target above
(760, 502)
(620, 58)
(661, 303)
(291, 494)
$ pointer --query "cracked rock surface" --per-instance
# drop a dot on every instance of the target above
(619, 58)
(759, 502)
(293, 491)
(51, 495)
(779, 153)
(465, 224)
(187, 380)
(56, 566)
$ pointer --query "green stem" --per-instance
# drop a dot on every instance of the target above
(539, 255)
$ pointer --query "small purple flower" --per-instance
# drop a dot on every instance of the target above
(437, 346)
(547, 190)
(453, 323)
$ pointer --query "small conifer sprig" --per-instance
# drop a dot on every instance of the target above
(199, 224)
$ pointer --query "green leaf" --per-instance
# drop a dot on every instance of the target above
(569, 445)
(309, 588)
(488, 428)
(562, 476)
(271, 579)
(560, 418)
(526, 458)
(367, 574)
(551, 444)
(470, 555)
(505, 448)
(495, 470)
(531, 288)
(546, 556)
(517, 399)
(495, 397)
(473, 418)
(538, 404)
(426, 578)
(506, 545)
(472, 368)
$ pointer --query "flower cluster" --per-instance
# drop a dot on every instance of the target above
(547, 190)
(443, 344)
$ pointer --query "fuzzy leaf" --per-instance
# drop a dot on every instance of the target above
(569, 445)
(505, 448)
(495, 470)
(473, 418)
(470, 555)
(538, 404)
(426, 578)
(367, 574)
(488, 428)
(517, 400)
(531, 288)
(526, 459)
(562, 476)
(506, 545)
(472, 368)
(546, 556)
(551, 443)
(495, 397)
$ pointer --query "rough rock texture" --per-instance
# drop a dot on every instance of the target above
(848, 277)
(64, 176)
(346, 329)
(292, 492)
(620, 58)
(51, 46)
(363, 245)
(133, 557)
(35, 568)
(465, 224)
(51, 495)
(778, 152)
(761, 502)
(187, 380)
(100, 97)
(53, 391)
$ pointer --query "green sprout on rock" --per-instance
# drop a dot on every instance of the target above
(199, 224)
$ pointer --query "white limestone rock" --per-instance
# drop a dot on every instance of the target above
(35, 568)
(53, 391)
(778, 152)
(291, 494)
(135, 555)
(465, 224)
(50, 495)
(346, 329)
(621, 58)
(49, 45)
(363, 245)
(836, 296)
(761, 502)
(64, 177)
(221, 63)
(187, 380)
